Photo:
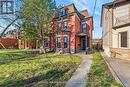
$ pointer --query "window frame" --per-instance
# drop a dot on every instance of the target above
(120, 43)
(59, 23)
(58, 42)
(6, 10)
(59, 28)
(62, 11)
(84, 29)
(65, 42)
(65, 25)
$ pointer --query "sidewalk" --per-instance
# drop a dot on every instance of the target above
(120, 68)
(80, 76)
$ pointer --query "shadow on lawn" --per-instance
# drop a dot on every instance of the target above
(42, 80)
(12, 58)
(9, 58)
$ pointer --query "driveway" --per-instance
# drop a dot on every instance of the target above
(121, 68)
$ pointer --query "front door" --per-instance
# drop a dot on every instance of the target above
(83, 44)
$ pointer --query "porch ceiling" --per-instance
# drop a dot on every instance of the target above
(81, 34)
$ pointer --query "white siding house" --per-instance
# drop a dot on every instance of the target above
(115, 22)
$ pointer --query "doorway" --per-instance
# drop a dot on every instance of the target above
(83, 43)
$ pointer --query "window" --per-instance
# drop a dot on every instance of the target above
(59, 32)
(65, 24)
(6, 7)
(58, 42)
(84, 27)
(65, 42)
(62, 12)
(46, 42)
(59, 28)
(123, 39)
(59, 25)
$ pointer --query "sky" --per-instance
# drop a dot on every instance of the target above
(81, 5)
(89, 5)
(4, 23)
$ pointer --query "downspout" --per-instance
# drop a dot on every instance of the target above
(75, 43)
(69, 41)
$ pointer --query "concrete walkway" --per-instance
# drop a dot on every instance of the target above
(120, 68)
(80, 76)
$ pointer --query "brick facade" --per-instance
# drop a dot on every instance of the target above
(72, 30)
(8, 43)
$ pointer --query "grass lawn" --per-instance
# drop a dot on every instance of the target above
(18, 69)
(99, 75)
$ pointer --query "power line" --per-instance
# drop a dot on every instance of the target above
(94, 7)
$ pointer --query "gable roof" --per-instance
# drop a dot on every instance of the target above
(85, 13)
(110, 5)
(72, 9)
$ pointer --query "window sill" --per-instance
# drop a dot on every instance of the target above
(125, 48)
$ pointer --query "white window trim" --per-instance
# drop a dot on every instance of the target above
(119, 39)
(62, 36)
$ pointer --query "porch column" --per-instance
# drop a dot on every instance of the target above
(75, 43)
(86, 42)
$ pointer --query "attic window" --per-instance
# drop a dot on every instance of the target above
(62, 12)
(84, 27)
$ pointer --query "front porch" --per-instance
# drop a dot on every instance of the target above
(82, 42)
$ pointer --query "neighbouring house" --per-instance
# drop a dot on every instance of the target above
(97, 43)
(9, 40)
(72, 30)
(7, 7)
(115, 23)
(8, 43)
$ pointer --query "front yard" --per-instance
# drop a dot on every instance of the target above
(99, 74)
(47, 70)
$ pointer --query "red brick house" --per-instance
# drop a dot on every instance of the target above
(72, 30)
(97, 42)
(9, 40)
(8, 43)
